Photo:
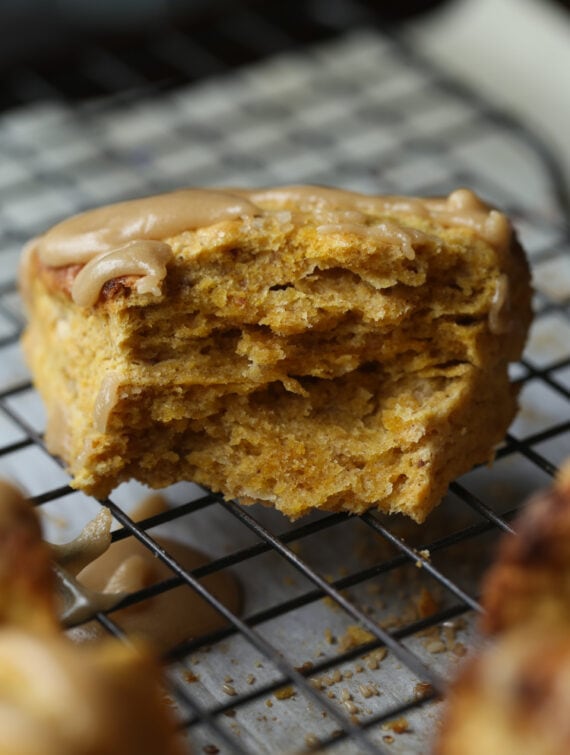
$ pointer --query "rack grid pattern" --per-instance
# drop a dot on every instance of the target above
(350, 626)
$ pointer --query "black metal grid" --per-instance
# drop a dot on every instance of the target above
(364, 111)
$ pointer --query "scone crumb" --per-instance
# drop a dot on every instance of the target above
(368, 690)
(284, 693)
(398, 725)
(354, 636)
(351, 707)
(426, 604)
(305, 667)
(311, 740)
(426, 555)
(329, 637)
(423, 689)
(435, 646)
(375, 658)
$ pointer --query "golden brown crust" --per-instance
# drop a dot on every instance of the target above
(302, 363)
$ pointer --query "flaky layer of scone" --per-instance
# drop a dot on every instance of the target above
(304, 347)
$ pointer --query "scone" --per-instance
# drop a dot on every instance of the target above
(27, 582)
(514, 695)
(512, 699)
(60, 699)
(530, 581)
(57, 698)
(301, 346)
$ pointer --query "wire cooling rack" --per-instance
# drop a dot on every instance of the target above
(350, 625)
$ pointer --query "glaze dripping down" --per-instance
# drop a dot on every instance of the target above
(129, 238)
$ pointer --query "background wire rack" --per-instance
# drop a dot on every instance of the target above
(263, 96)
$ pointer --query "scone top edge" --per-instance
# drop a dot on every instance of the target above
(131, 238)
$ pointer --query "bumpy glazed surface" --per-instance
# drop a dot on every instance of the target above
(513, 697)
(306, 347)
(56, 698)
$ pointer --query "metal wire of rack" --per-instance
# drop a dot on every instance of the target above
(324, 598)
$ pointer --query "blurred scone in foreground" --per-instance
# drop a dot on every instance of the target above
(57, 698)
(513, 697)
(301, 346)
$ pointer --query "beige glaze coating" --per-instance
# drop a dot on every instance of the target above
(386, 231)
(92, 541)
(147, 259)
(461, 208)
(169, 618)
(105, 400)
(128, 238)
(80, 238)
(499, 319)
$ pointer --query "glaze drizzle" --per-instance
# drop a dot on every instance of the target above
(128, 238)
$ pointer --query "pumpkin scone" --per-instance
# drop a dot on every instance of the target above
(57, 698)
(513, 696)
(304, 347)
(530, 581)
